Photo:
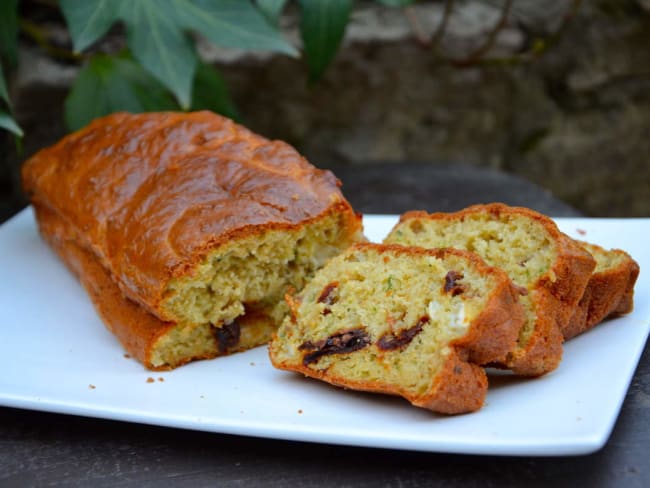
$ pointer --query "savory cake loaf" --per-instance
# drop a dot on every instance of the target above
(551, 269)
(609, 292)
(186, 228)
(402, 320)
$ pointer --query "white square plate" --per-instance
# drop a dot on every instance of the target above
(56, 356)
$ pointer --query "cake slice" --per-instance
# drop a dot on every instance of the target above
(551, 269)
(609, 292)
(403, 321)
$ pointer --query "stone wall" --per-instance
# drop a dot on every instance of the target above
(575, 120)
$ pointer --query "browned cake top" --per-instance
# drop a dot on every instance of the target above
(151, 193)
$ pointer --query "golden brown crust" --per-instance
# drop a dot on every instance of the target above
(460, 386)
(610, 292)
(151, 194)
(555, 295)
(495, 330)
(137, 330)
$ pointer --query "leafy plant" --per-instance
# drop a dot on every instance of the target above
(161, 70)
(322, 27)
(162, 55)
(8, 52)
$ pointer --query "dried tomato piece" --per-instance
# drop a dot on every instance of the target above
(227, 336)
(339, 343)
(391, 341)
(450, 283)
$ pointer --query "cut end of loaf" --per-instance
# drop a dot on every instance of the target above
(254, 272)
(181, 344)
(248, 277)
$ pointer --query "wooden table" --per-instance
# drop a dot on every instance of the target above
(44, 449)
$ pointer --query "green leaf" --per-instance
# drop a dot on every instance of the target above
(160, 46)
(211, 93)
(322, 27)
(156, 32)
(3, 86)
(7, 122)
(88, 20)
(396, 3)
(9, 30)
(272, 9)
(110, 84)
(232, 23)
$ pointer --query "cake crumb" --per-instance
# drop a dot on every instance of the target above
(582, 232)
(127, 355)
(161, 379)
(150, 380)
(91, 386)
(300, 411)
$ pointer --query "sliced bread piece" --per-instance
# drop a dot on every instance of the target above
(403, 321)
(610, 290)
(551, 269)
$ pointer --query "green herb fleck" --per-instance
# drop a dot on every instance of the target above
(389, 283)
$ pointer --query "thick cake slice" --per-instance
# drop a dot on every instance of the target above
(404, 321)
(551, 269)
(610, 290)
(196, 225)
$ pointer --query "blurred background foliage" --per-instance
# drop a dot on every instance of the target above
(557, 92)
(158, 68)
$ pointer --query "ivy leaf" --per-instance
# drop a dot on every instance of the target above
(159, 44)
(396, 3)
(232, 23)
(157, 32)
(7, 122)
(110, 84)
(88, 20)
(3, 87)
(272, 9)
(322, 27)
(211, 93)
(9, 30)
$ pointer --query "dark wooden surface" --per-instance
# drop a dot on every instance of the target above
(45, 449)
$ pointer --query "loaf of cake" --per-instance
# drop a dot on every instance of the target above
(551, 269)
(404, 321)
(186, 229)
(609, 292)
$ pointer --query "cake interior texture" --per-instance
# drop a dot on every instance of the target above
(253, 273)
(605, 260)
(246, 280)
(385, 318)
(516, 244)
